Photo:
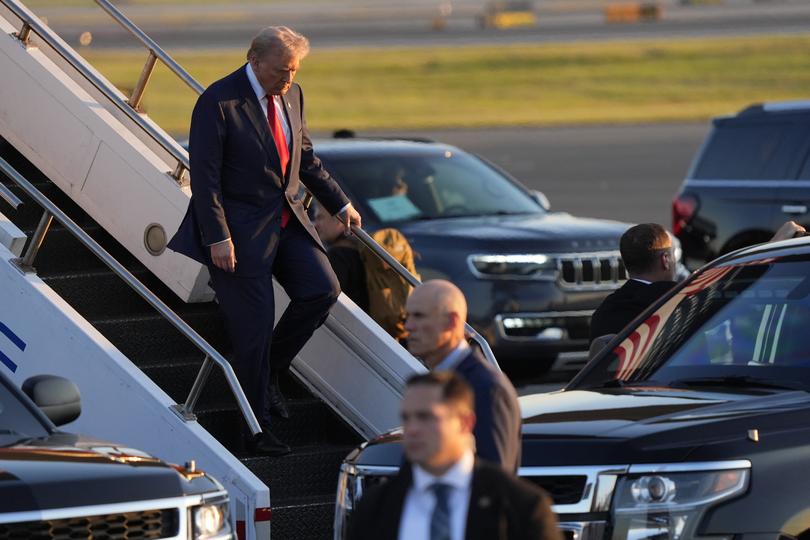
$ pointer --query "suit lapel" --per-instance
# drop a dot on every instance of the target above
(392, 512)
(481, 511)
(294, 121)
(253, 110)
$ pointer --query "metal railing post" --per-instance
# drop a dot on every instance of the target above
(140, 87)
(186, 410)
(26, 263)
(24, 35)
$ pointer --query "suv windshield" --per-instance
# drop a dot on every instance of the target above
(743, 325)
(16, 420)
(426, 186)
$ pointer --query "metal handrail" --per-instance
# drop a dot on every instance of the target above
(7, 195)
(32, 23)
(380, 252)
(186, 410)
(149, 43)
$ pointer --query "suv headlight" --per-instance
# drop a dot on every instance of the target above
(210, 521)
(516, 266)
(668, 506)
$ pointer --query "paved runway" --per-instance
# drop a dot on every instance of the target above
(386, 23)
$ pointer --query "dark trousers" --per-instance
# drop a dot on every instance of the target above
(260, 352)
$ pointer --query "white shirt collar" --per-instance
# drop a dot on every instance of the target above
(452, 360)
(459, 475)
(644, 281)
(254, 83)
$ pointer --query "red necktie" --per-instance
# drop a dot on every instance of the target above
(281, 145)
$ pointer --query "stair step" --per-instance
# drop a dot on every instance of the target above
(311, 422)
(308, 471)
(152, 339)
(312, 521)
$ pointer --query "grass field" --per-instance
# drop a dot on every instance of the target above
(521, 85)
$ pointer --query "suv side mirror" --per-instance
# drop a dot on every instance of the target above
(57, 397)
(541, 199)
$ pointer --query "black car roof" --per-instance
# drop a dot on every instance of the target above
(784, 248)
(381, 147)
(800, 107)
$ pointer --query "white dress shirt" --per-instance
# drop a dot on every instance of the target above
(420, 500)
(281, 114)
(450, 361)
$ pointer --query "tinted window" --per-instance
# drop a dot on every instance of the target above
(744, 321)
(425, 186)
(752, 151)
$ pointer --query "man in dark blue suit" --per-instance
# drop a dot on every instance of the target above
(250, 152)
(436, 313)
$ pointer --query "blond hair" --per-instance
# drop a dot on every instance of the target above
(279, 40)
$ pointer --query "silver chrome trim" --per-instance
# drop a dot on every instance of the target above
(512, 277)
(534, 315)
(181, 504)
(584, 530)
(763, 184)
(595, 258)
(592, 474)
(696, 466)
(369, 470)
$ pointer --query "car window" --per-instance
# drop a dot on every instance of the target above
(16, 420)
(752, 151)
(425, 186)
(746, 320)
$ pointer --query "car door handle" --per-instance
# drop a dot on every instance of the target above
(794, 209)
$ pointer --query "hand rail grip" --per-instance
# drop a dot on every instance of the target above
(109, 91)
(9, 197)
(144, 293)
(380, 252)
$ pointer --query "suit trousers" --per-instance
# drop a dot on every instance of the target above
(248, 306)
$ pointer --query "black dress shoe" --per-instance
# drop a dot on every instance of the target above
(276, 404)
(266, 444)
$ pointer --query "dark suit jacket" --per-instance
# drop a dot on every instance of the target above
(498, 422)
(501, 507)
(625, 304)
(237, 187)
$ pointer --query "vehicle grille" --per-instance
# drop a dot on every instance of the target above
(562, 489)
(150, 524)
(592, 271)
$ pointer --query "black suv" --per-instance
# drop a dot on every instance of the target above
(59, 485)
(532, 278)
(750, 176)
(694, 422)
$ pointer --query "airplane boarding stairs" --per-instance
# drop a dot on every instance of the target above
(303, 483)
(115, 173)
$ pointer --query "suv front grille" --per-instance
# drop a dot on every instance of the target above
(562, 489)
(592, 271)
(150, 524)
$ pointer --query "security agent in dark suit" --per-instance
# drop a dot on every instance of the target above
(250, 151)
(436, 312)
(443, 492)
(646, 251)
